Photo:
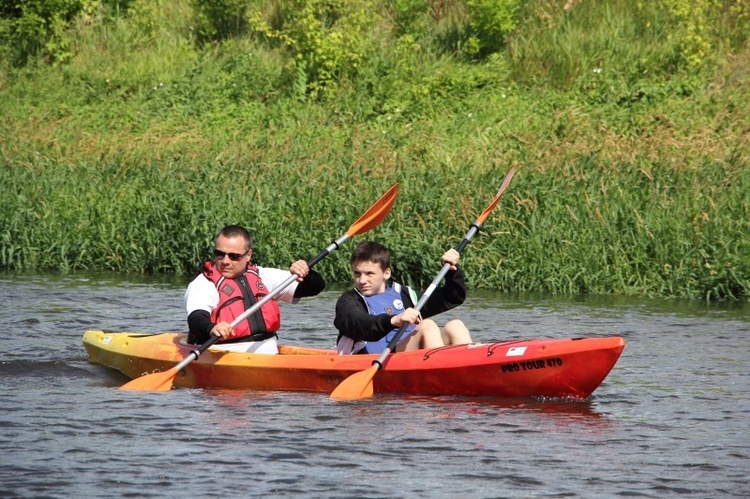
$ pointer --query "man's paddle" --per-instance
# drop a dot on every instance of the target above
(359, 385)
(163, 381)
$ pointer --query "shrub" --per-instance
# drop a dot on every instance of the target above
(326, 38)
(218, 20)
(32, 27)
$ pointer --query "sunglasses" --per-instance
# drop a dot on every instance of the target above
(235, 257)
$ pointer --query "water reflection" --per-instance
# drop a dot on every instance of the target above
(233, 408)
(561, 411)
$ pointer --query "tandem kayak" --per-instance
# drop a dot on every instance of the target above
(515, 368)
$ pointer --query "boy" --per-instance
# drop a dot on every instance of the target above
(369, 316)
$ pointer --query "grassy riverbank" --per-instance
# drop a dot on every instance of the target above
(152, 126)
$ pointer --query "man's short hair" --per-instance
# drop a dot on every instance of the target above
(232, 231)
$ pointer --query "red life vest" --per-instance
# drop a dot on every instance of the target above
(239, 294)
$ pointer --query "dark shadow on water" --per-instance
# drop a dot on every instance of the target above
(533, 404)
(484, 299)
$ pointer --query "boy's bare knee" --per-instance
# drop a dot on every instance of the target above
(455, 324)
(428, 325)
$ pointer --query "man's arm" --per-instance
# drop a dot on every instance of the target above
(200, 297)
(199, 327)
(311, 285)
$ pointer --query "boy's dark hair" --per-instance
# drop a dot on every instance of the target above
(370, 251)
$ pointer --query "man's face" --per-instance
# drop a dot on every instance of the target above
(369, 278)
(226, 251)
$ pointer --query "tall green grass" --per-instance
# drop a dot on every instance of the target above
(632, 158)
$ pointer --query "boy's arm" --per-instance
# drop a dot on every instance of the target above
(448, 296)
(352, 320)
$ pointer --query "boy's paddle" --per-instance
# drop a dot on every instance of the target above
(163, 381)
(359, 385)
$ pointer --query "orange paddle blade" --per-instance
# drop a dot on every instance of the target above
(357, 386)
(156, 382)
(376, 213)
(492, 205)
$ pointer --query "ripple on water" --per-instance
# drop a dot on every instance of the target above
(670, 419)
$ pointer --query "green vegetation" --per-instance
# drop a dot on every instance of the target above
(131, 130)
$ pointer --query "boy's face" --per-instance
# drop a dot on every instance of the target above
(369, 278)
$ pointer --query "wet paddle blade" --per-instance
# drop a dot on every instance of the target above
(486, 212)
(357, 386)
(375, 214)
(156, 382)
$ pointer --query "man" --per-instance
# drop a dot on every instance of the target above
(369, 316)
(230, 284)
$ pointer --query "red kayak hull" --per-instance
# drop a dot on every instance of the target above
(516, 368)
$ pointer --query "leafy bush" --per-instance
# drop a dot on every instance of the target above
(326, 38)
(475, 28)
(218, 20)
(492, 21)
(33, 27)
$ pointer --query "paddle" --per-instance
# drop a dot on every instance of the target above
(162, 381)
(359, 385)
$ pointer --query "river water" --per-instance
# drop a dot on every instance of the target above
(671, 419)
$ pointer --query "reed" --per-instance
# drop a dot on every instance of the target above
(631, 159)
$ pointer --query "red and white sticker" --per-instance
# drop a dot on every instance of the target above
(515, 351)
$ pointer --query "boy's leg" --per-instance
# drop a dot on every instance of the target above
(426, 335)
(456, 333)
